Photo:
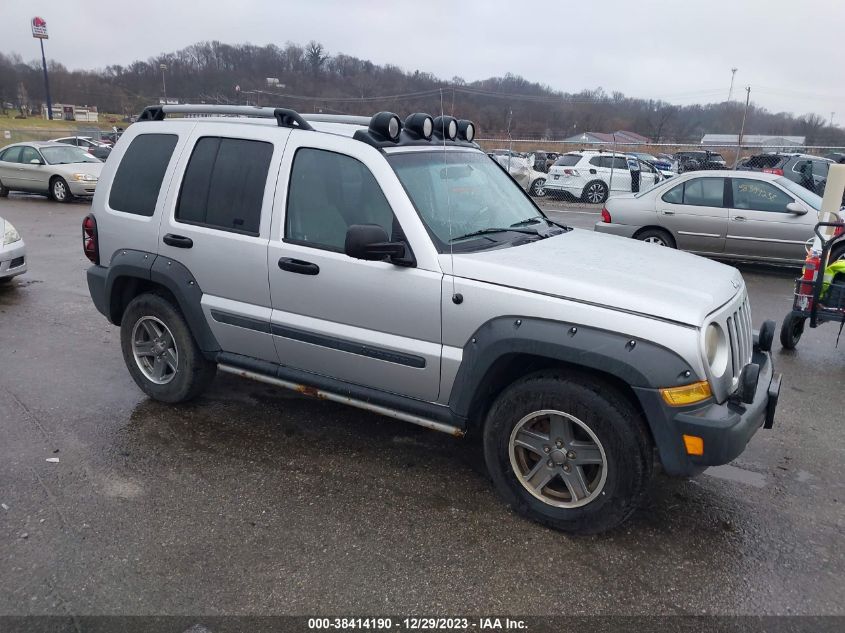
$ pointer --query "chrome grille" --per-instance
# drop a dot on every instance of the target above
(741, 336)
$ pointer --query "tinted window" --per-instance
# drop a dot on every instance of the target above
(704, 192)
(820, 168)
(328, 193)
(618, 162)
(675, 195)
(138, 179)
(224, 184)
(756, 195)
(29, 154)
(12, 155)
(567, 160)
(598, 161)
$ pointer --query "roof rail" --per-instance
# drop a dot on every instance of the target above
(284, 117)
(338, 118)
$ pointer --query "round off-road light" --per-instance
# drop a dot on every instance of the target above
(420, 124)
(386, 125)
(466, 130)
(446, 127)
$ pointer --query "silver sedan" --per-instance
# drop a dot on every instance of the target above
(723, 214)
(58, 170)
(12, 252)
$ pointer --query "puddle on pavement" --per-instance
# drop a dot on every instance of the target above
(740, 475)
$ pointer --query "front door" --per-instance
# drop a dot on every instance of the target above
(370, 323)
(760, 224)
(217, 224)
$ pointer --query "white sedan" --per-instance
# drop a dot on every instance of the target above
(724, 214)
(12, 252)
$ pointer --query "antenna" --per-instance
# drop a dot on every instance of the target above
(456, 298)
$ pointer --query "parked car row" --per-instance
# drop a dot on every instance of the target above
(57, 170)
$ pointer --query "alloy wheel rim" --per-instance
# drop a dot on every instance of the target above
(654, 240)
(59, 190)
(540, 188)
(155, 350)
(558, 459)
(595, 193)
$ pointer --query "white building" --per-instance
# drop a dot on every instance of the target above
(67, 112)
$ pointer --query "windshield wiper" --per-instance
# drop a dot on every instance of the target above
(490, 230)
(538, 218)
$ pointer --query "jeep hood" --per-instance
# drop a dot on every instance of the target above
(608, 270)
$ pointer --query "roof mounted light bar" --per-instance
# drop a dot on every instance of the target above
(284, 117)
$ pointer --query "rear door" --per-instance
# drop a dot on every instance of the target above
(620, 180)
(10, 174)
(760, 225)
(32, 176)
(217, 224)
(694, 211)
(370, 323)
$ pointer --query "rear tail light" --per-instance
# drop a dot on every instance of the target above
(570, 172)
(605, 216)
(771, 170)
(839, 230)
(89, 239)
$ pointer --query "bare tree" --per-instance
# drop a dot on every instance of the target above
(315, 55)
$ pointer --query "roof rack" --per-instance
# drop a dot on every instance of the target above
(350, 119)
(284, 117)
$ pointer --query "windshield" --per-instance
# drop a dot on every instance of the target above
(805, 194)
(67, 155)
(462, 193)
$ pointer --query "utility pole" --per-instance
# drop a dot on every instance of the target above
(731, 91)
(831, 118)
(163, 83)
(742, 127)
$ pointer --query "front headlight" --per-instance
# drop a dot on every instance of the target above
(716, 349)
(10, 234)
(84, 178)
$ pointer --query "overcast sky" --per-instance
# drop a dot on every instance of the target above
(682, 51)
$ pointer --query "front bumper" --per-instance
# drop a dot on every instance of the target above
(14, 253)
(624, 230)
(81, 188)
(725, 428)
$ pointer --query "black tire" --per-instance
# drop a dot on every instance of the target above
(616, 424)
(59, 190)
(538, 188)
(4, 191)
(193, 371)
(5, 281)
(658, 237)
(791, 330)
(595, 192)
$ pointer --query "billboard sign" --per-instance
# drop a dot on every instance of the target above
(39, 28)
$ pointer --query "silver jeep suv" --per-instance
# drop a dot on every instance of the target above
(393, 266)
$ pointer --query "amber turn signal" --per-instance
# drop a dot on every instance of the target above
(688, 394)
(694, 445)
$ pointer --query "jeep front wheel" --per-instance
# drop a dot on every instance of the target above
(160, 351)
(568, 452)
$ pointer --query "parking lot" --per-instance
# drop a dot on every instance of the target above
(256, 500)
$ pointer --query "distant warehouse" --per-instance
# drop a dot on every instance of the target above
(69, 112)
(754, 140)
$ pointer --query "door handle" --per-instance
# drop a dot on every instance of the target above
(178, 241)
(298, 266)
(739, 218)
(668, 212)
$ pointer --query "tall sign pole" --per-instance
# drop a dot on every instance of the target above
(39, 31)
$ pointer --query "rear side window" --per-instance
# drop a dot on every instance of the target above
(11, 155)
(140, 173)
(704, 192)
(675, 195)
(224, 184)
(568, 160)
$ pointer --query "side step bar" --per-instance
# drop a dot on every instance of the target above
(335, 397)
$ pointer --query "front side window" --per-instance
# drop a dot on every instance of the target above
(328, 193)
(29, 154)
(141, 171)
(458, 194)
(756, 195)
(224, 184)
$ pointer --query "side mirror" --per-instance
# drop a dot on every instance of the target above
(370, 242)
(35, 161)
(797, 209)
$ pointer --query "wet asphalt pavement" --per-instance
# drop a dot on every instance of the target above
(256, 501)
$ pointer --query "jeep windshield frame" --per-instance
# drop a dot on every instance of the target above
(467, 201)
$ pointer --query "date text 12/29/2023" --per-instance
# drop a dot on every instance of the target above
(417, 624)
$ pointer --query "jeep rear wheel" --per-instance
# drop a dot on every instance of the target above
(160, 352)
(568, 452)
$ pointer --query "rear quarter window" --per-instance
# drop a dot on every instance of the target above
(138, 179)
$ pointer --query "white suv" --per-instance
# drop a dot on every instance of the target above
(592, 176)
(395, 267)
